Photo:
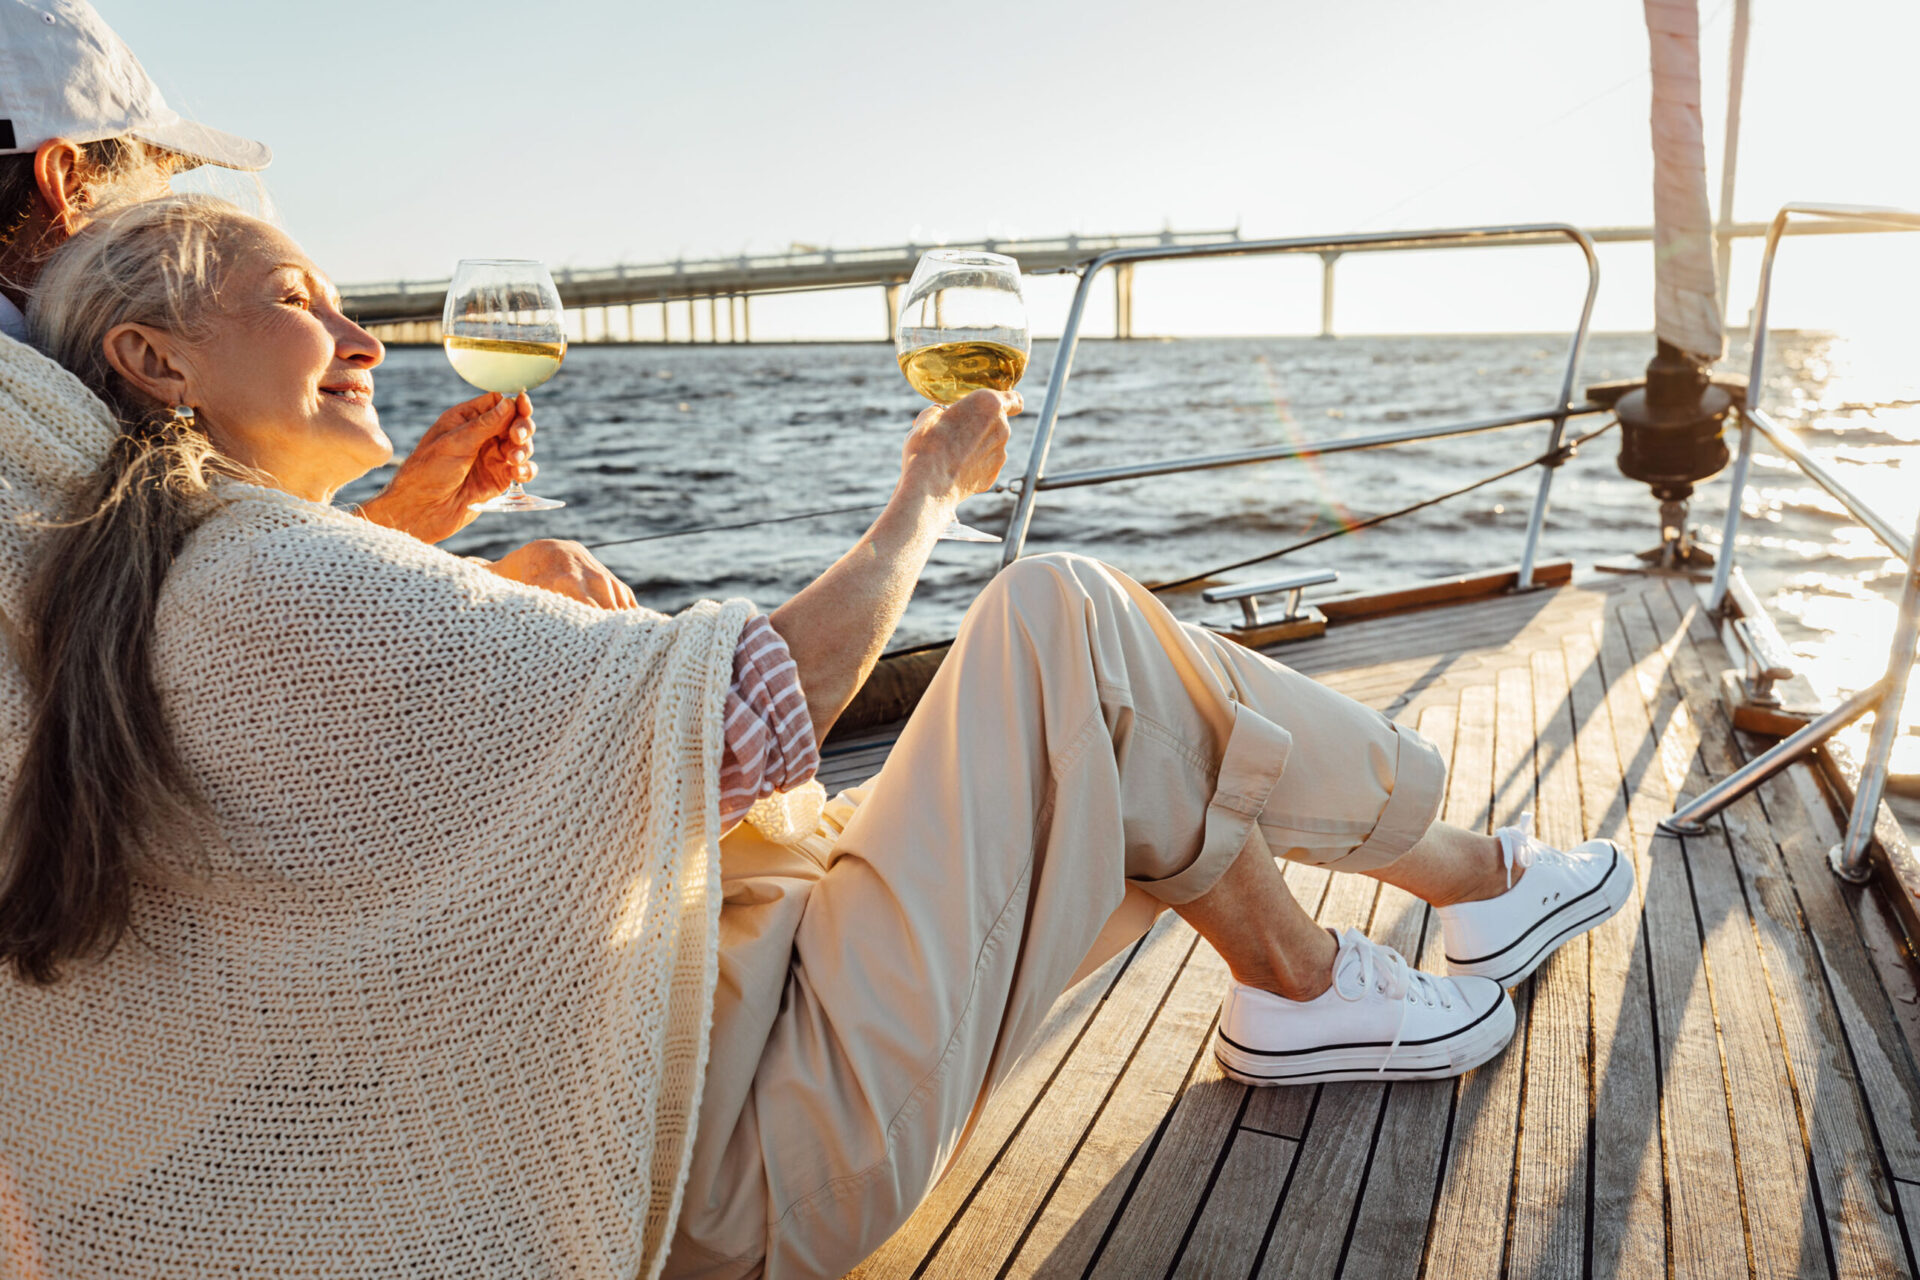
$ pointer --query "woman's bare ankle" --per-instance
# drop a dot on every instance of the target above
(1487, 877)
(1301, 977)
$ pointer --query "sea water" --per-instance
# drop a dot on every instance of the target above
(649, 440)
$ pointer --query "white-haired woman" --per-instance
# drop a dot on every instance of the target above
(373, 915)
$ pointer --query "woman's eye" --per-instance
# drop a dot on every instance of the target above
(300, 300)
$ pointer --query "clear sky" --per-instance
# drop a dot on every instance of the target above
(584, 132)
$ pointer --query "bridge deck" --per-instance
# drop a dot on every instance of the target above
(1719, 1081)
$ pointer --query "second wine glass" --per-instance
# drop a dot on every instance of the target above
(963, 327)
(505, 331)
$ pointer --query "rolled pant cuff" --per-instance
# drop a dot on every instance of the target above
(1419, 788)
(1249, 768)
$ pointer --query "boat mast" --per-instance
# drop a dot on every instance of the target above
(1736, 80)
(1686, 305)
(1670, 425)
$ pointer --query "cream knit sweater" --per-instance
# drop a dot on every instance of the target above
(429, 993)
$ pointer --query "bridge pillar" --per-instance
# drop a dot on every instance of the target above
(891, 290)
(1123, 300)
(713, 317)
(630, 333)
(746, 317)
(663, 317)
(692, 319)
(1327, 259)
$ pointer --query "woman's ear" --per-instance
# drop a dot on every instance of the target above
(148, 360)
(58, 172)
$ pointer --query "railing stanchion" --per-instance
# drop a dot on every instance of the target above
(1125, 258)
(1885, 696)
(1736, 502)
(1849, 857)
(1576, 347)
(1523, 581)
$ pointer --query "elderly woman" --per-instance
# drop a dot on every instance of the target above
(372, 914)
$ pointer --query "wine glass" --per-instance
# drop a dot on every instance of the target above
(963, 326)
(504, 331)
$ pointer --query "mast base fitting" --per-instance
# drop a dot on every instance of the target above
(1671, 438)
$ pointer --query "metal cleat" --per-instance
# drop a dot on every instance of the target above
(1250, 627)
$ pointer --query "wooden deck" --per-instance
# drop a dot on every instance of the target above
(1718, 1082)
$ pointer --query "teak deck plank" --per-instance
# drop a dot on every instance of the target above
(1333, 1154)
(1228, 1238)
(998, 1124)
(1864, 1237)
(1881, 1057)
(1152, 1227)
(1469, 1232)
(1027, 1170)
(1389, 1232)
(1707, 1233)
(1099, 1175)
(1784, 1230)
(1720, 1081)
(1629, 1213)
(1550, 1215)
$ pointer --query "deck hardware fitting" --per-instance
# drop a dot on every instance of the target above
(1674, 825)
(1837, 859)
(1849, 859)
(1247, 595)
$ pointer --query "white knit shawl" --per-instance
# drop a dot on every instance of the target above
(429, 993)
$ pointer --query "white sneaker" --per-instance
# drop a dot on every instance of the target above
(1379, 1019)
(1562, 895)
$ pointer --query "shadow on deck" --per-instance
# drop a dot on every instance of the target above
(1719, 1081)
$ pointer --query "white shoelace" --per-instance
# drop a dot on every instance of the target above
(1520, 849)
(1387, 971)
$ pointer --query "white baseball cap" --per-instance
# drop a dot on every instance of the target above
(65, 74)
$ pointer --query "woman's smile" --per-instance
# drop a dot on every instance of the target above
(353, 387)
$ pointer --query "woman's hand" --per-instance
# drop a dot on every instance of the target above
(568, 569)
(836, 627)
(471, 454)
(956, 450)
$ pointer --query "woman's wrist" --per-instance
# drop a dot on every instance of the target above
(922, 484)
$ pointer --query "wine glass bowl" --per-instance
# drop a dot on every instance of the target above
(963, 327)
(504, 330)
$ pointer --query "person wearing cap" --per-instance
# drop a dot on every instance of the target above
(83, 125)
(78, 112)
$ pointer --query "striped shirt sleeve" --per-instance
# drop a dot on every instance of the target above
(768, 736)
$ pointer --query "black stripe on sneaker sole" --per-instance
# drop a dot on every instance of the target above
(1569, 905)
(1349, 1073)
(1363, 1044)
(1571, 931)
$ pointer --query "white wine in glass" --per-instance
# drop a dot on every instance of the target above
(505, 331)
(963, 328)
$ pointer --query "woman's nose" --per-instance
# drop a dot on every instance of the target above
(356, 346)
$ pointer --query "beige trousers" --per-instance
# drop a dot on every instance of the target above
(1081, 761)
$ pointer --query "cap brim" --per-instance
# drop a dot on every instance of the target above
(208, 146)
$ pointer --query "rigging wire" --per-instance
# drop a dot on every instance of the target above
(874, 505)
(1552, 458)
(744, 524)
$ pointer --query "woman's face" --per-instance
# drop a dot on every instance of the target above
(282, 381)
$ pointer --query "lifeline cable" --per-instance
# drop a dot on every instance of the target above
(1552, 458)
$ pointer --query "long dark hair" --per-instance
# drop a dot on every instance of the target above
(100, 772)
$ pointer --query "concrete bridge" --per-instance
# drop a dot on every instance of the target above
(409, 310)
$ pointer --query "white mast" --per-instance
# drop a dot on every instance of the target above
(1686, 305)
(1736, 80)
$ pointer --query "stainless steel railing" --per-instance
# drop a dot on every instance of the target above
(1885, 696)
(1035, 480)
